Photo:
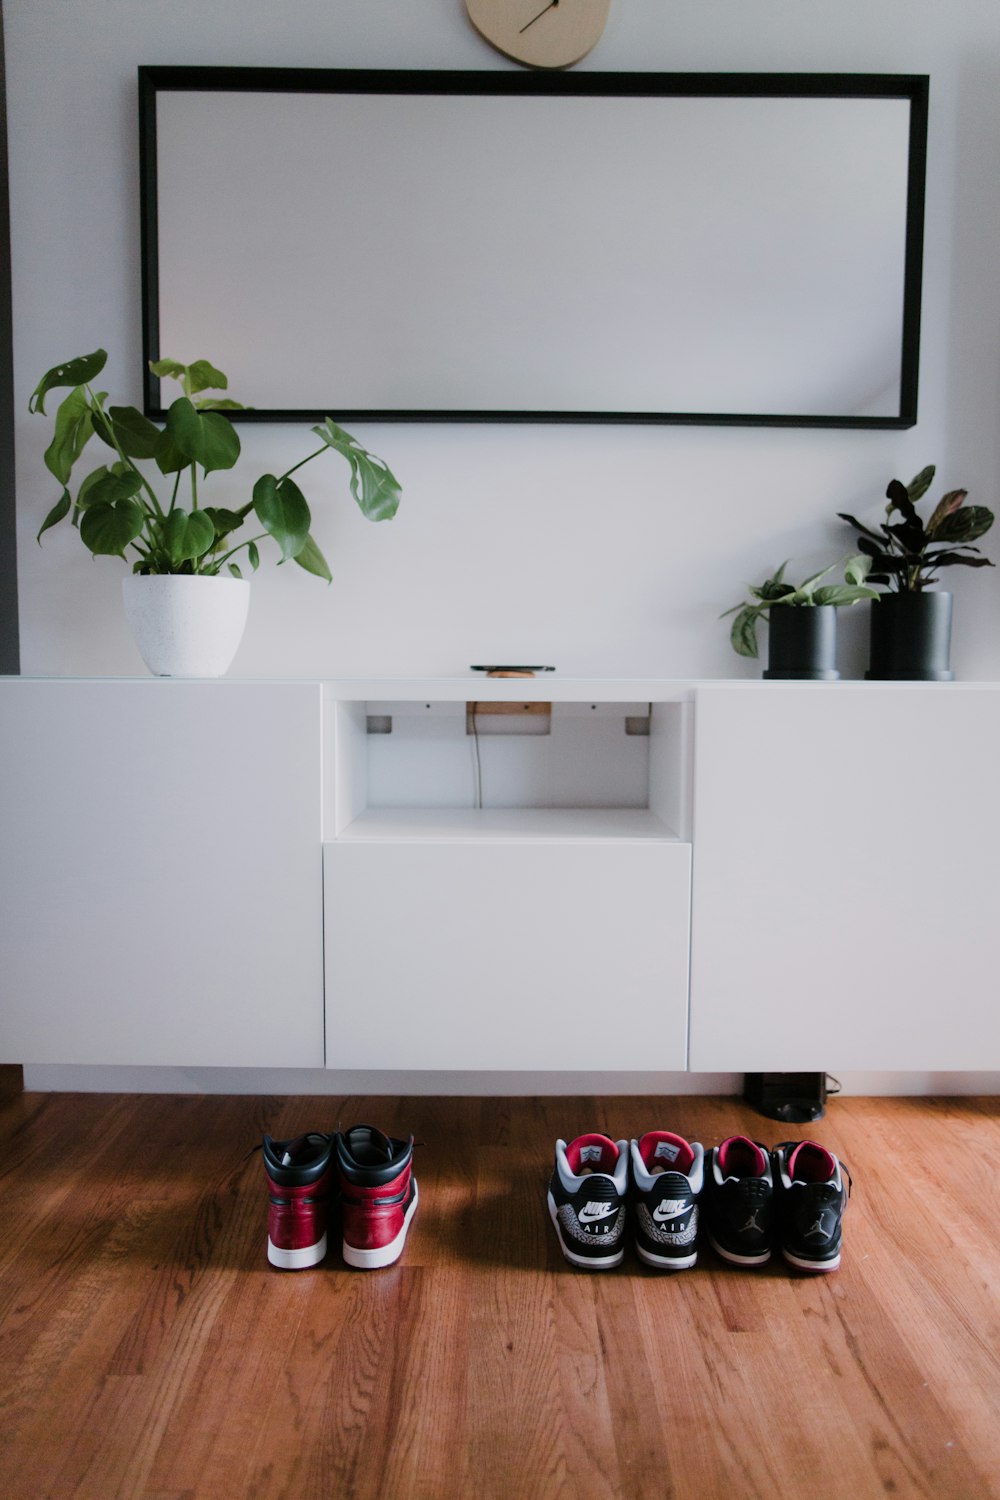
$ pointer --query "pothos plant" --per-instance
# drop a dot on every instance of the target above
(775, 591)
(909, 551)
(145, 502)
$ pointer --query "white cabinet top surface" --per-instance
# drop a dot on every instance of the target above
(548, 686)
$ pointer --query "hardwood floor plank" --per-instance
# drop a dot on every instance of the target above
(515, 1421)
(206, 1444)
(148, 1351)
(329, 1411)
(428, 1391)
(645, 1447)
(592, 1459)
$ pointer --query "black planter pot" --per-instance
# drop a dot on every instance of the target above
(802, 642)
(910, 638)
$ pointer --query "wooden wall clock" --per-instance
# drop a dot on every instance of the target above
(540, 33)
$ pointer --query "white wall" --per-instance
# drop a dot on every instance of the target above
(606, 550)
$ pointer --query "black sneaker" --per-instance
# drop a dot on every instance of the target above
(739, 1194)
(587, 1201)
(667, 1173)
(811, 1199)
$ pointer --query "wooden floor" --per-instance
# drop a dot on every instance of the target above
(148, 1352)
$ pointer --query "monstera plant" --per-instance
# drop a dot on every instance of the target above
(146, 502)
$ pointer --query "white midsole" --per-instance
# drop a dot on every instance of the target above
(739, 1260)
(296, 1260)
(811, 1265)
(667, 1262)
(370, 1260)
(585, 1262)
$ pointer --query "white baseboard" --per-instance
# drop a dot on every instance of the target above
(79, 1078)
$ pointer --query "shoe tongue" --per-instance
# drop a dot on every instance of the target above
(368, 1146)
(810, 1162)
(591, 1153)
(662, 1151)
(298, 1151)
(739, 1156)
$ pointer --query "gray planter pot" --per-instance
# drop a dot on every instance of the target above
(802, 643)
(911, 638)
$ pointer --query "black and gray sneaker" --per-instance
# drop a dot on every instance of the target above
(811, 1199)
(587, 1201)
(667, 1173)
(739, 1201)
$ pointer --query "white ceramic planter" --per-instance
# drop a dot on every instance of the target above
(186, 626)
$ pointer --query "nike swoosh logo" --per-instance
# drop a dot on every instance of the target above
(670, 1208)
(593, 1211)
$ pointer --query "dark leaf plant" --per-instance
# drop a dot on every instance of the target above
(775, 591)
(145, 503)
(907, 553)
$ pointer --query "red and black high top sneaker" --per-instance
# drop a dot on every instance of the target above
(299, 1172)
(378, 1195)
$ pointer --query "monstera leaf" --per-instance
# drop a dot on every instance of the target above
(108, 528)
(373, 484)
(282, 510)
(74, 429)
(74, 372)
(187, 536)
(203, 436)
(312, 559)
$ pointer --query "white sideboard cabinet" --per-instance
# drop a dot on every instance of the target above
(161, 873)
(552, 875)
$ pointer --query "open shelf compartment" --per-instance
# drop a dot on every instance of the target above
(502, 769)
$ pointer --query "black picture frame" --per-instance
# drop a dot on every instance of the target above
(914, 89)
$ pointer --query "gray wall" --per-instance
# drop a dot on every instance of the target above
(9, 656)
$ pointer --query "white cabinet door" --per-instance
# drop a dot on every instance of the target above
(846, 889)
(161, 873)
(492, 955)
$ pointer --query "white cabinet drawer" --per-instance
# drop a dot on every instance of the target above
(507, 955)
